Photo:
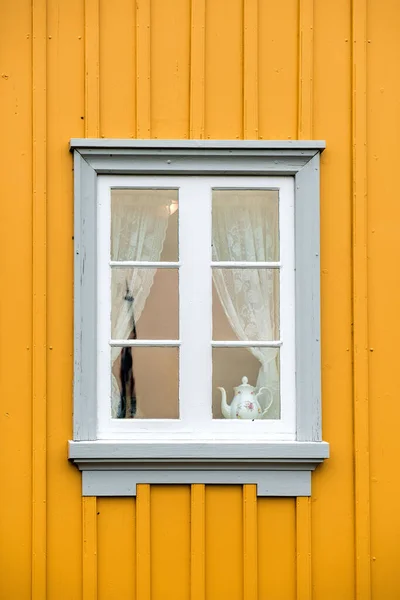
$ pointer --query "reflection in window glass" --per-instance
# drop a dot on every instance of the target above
(144, 225)
(260, 366)
(245, 225)
(145, 383)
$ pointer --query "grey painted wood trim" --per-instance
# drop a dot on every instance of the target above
(85, 317)
(187, 164)
(198, 451)
(278, 469)
(269, 483)
(307, 256)
(300, 159)
(81, 144)
(196, 156)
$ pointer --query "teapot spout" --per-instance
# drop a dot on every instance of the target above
(224, 405)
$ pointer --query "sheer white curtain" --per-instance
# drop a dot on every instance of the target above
(138, 230)
(245, 228)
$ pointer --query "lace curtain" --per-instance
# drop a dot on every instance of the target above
(244, 229)
(138, 229)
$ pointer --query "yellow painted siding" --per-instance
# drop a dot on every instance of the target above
(201, 69)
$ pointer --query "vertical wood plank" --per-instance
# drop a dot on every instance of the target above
(224, 542)
(170, 541)
(306, 68)
(224, 70)
(65, 112)
(117, 59)
(39, 283)
(333, 482)
(276, 548)
(89, 548)
(143, 574)
(250, 70)
(92, 92)
(360, 301)
(116, 524)
(16, 300)
(92, 129)
(305, 129)
(170, 69)
(143, 65)
(198, 543)
(250, 546)
(197, 69)
(303, 548)
(383, 125)
(278, 69)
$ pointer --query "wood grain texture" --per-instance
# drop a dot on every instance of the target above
(39, 295)
(360, 302)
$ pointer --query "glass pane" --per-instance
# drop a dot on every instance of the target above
(245, 225)
(246, 304)
(144, 225)
(144, 304)
(259, 398)
(144, 383)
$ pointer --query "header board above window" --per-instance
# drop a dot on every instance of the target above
(197, 344)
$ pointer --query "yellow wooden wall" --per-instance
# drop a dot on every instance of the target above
(267, 69)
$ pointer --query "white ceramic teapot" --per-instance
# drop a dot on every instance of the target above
(245, 404)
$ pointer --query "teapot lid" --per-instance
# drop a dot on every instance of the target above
(245, 384)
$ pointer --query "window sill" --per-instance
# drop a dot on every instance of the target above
(277, 468)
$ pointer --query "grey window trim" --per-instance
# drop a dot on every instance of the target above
(114, 468)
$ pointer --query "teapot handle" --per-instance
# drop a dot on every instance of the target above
(271, 398)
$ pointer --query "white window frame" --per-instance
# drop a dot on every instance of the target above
(195, 343)
(276, 455)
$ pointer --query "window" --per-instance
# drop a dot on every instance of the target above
(195, 292)
(196, 314)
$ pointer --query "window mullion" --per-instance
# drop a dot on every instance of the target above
(195, 302)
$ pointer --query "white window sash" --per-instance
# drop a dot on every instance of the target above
(195, 317)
